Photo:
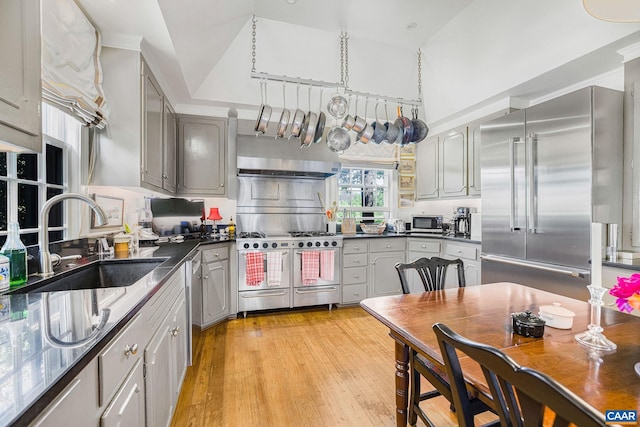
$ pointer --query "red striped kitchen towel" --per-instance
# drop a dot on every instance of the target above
(326, 265)
(255, 268)
(310, 267)
(274, 268)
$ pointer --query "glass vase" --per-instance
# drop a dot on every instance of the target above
(593, 336)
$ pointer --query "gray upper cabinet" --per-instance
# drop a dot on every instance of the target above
(203, 152)
(427, 169)
(20, 80)
(140, 140)
(452, 150)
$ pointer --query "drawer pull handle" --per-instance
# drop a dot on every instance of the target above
(388, 246)
(355, 276)
(133, 349)
(424, 246)
(356, 261)
(356, 294)
(216, 255)
(357, 248)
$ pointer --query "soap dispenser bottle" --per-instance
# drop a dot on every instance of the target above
(15, 250)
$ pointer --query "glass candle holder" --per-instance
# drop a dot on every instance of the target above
(593, 336)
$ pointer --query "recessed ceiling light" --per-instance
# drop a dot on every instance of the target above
(291, 1)
(412, 26)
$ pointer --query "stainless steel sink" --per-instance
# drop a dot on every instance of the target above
(96, 275)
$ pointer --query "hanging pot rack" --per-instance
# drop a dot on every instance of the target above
(343, 84)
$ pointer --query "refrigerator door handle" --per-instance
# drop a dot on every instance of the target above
(583, 274)
(532, 220)
(512, 187)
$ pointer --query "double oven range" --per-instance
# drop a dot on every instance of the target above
(289, 291)
(306, 262)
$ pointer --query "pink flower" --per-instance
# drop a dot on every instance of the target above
(627, 292)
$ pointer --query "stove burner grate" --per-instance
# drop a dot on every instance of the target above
(251, 235)
(310, 234)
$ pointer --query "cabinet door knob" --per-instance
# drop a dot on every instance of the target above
(424, 246)
(133, 349)
(356, 261)
(206, 277)
(388, 246)
(357, 248)
(221, 185)
(174, 331)
(216, 255)
(355, 276)
(356, 294)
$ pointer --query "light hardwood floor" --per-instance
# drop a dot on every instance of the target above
(295, 368)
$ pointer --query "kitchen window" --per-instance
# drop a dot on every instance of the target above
(365, 192)
(27, 180)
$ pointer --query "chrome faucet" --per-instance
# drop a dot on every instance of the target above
(46, 267)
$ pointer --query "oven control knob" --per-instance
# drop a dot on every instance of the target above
(300, 244)
(334, 243)
(255, 245)
(317, 243)
(274, 245)
(246, 246)
(265, 245)
(309, 244)
(326, 243)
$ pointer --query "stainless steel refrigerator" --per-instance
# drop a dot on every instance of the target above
(548, 172)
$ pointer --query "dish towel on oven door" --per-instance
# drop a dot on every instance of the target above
(255, 268)
(274, 268)
(310, 267)
(326, 265)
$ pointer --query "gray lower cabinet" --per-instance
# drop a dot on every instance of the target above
(202, 166)
(211, 297)
(136, 378)
(20, 79)
(420, 248)
(384, 254)
(355, 267)
(469, 254)
(127, 407)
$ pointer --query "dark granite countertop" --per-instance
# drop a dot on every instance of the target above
(410, 234)
(631, 264)
(32, 370)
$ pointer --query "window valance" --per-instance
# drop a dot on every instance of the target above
(71, 72)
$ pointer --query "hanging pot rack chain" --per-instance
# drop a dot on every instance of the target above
(344, 57)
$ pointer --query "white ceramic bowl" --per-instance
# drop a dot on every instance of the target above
(556, 316)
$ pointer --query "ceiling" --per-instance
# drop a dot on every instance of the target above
(171, 28)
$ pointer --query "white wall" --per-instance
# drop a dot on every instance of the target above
(496, 48)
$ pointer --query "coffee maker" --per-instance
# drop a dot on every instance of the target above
(462, 222)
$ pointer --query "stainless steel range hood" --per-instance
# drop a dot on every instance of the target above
(266, 156)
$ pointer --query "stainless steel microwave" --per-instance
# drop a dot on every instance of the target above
(427, 223)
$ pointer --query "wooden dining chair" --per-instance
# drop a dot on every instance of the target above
(521, 395)
(432, 272)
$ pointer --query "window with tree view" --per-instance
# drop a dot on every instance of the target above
(365, 193)
(28, 180)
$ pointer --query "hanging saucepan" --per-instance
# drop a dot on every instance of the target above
(379, 129)
(338, 139)
(308, 126)
(284, 117)
(321, 122)
(298, 117)
(264, 113)
(393, 132)
(337, 106)
(407, 127)
(420, 129)
(360, 121)
(348, 121)
(364, 136)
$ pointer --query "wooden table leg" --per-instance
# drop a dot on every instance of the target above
(402, 383)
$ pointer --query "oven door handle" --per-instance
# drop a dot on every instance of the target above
(258, 294)
(316, 289)
(284, 253)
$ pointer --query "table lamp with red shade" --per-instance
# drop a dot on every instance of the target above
(214, 215)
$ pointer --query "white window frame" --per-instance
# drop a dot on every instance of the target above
(388, 188)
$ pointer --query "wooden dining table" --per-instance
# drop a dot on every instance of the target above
(606, 380)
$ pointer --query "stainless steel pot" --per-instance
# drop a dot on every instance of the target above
(361, 121)
(264, 112)
(338, 139)
(379, 129)
(298, 117)
(308, 129)
(393, 132)
(283, 123)
(321, 122)
(338, 106)
(349, 120)
(406, 126)
(420, 129)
